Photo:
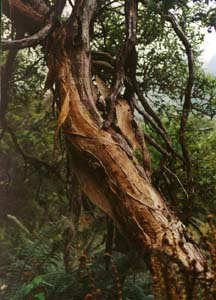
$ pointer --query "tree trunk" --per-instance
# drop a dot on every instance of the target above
(104, 160)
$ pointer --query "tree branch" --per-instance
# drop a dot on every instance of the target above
(37, 37)
(186, 108)
(30, 41)
(153, 143)
(29, 158)
(129, 44)
(147, 107)
(179, 181)
(154, 125)
(23, 16)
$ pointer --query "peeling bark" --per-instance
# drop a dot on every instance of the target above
(103, 160)
(108, 174)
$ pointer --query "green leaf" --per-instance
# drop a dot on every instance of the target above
(37, 280)
(28, 288)
(40, 296)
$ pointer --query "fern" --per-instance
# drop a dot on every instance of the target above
(37, 267)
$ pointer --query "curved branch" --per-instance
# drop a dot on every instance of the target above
(37, 37)
(148, 113)
(30, 41)
(146, 106)
(186, 108)
(178, 180)
(101, 55)
(101, 64)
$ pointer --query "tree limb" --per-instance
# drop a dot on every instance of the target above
(37, 37)
(179, 181)
(147, 107)
(29, 158)
(129, 44)
(154, 125)
(23, 16)
(30, 41)
(102, 65)
(153, 143)
(186, 108)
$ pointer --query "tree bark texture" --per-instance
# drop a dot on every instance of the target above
(103, 159)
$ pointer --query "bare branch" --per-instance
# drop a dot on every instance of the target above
(154, 125)
(186, 108)
(39, 36)
(147, 107)
(129, 44)
(153, 143)
(36, 162)
(149, 114)
(101, 55)
(30, 41)
(179, 181)
(102, 65)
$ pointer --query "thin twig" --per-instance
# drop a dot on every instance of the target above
(179, 181)
(29, 158)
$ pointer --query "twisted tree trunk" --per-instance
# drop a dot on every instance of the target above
(103, 158)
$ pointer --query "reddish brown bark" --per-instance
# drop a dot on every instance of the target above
(107, 170)
(104, 160)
